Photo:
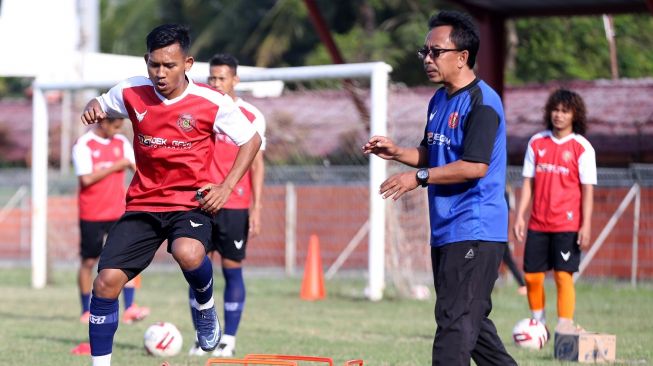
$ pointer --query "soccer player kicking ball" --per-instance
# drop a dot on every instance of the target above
(100, 157)
(173, 121)
(240, 217)
(559, 177)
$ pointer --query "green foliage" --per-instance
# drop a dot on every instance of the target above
(13, 87)
(561, 48)
(634, 38)
(279, 33)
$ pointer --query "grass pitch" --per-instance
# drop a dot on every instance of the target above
(40, 327)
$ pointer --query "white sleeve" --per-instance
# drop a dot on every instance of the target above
(529, 162)
(128, 150)
(112, 102)
(82, 161)
(232, 122)
(260, 125)
(587, 166)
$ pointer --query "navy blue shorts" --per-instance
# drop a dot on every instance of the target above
(230, 228)
(91, 236)
(544, 251)
(135, 238)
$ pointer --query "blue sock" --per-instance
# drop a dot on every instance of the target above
(102, 325)
(191, 297)
(234, 299)
(200, 280)
(85, 299)
(128, 296)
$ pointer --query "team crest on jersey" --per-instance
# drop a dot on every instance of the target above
(566, 156)
(116, 151)
(453, 120)
(186, 122)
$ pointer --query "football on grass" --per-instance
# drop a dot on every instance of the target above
(162, 339)
(530, 333)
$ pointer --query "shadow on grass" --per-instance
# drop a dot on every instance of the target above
(75, 341)
(31, 316)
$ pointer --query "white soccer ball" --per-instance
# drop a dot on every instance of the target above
(162, 339)
(530, 333)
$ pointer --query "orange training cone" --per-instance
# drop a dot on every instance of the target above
(313, 283)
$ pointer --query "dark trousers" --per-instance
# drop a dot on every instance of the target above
(464, 274)
(510, 262)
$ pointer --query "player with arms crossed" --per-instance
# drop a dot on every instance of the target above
(240, 217)
(100, 158)
(173, 120)
(559, 177)
(462, 161)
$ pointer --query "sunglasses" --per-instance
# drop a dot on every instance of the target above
(433, 52)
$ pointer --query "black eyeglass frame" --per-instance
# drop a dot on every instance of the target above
(434, 52)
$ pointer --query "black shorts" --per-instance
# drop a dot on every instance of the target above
(135, 238)
(230, 228)
(545, 251)
(91, 236)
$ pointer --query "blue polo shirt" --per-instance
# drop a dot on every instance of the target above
(468, 125)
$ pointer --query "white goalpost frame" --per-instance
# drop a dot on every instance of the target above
(377, 72)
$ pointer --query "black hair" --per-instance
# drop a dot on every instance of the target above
(169, 34)
(569, 100)
(464, 33)
(226, 59)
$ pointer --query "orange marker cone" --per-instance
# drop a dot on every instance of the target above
(313, 283)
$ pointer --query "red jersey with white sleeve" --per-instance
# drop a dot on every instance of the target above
(173, 140)
(559, 168)
(105, 199)
(225, 154)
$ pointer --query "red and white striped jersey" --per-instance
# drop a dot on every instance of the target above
(105, 199)
(225, 153)
(173, 140)
(558, 167)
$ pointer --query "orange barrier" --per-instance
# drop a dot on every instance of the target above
(327, 360)
(263, 356)
(313, 282)
(354, 363)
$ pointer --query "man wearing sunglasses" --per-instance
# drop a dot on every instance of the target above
(462, 161)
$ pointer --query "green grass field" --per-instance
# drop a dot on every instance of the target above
(40, 327)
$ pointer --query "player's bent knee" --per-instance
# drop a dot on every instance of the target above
(189, 253)
(109, 283)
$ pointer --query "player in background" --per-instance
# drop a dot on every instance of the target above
(100, 158)
(461, 160)
(240, 217)
(171, 196)
(559, 177)
(508, 260)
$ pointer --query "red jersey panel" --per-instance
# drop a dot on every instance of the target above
(558, 167)
(105, 199)
(225, 153)
(173, 140)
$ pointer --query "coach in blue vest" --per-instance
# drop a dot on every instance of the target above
(462, 162)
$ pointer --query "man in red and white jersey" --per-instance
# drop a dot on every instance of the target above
(559, 177)
(100, 157)
(171, 196)
(240, 217)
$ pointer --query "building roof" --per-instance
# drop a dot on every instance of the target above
(322, 123)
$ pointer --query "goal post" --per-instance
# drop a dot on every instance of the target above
(376, 72)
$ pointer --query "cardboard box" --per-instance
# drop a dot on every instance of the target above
(586, 347)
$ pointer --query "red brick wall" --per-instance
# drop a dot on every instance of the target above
(335, 214)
